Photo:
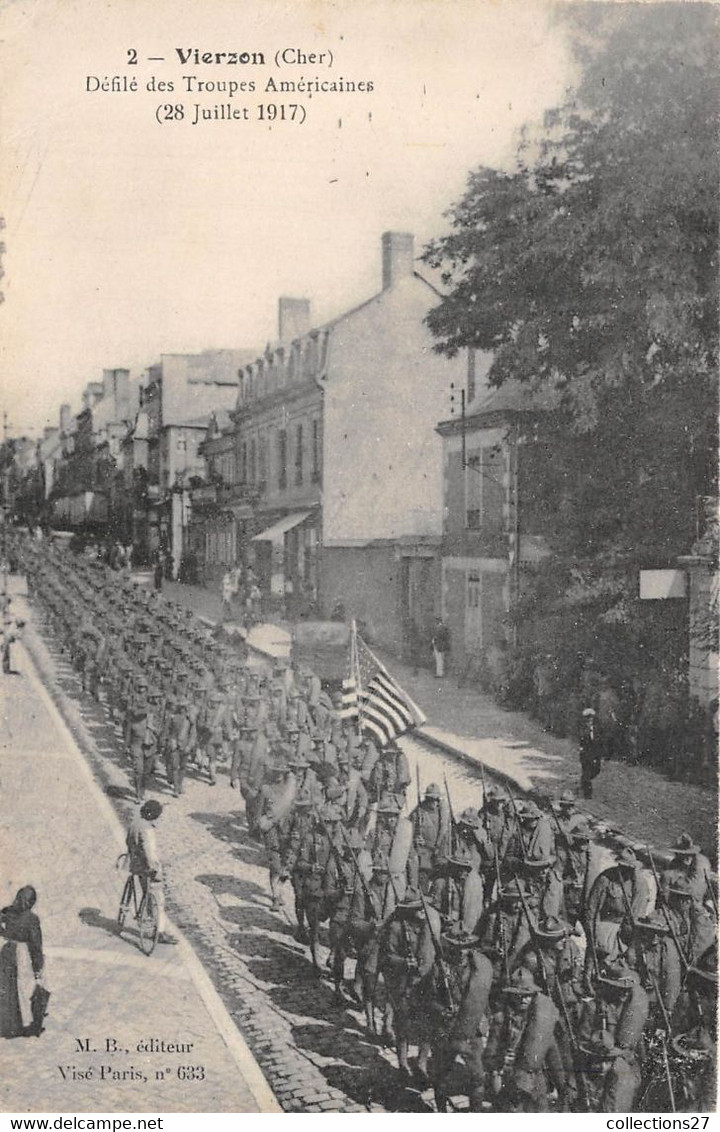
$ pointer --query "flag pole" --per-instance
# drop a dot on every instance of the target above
(355, 669)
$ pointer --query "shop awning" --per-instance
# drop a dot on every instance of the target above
(279, 529)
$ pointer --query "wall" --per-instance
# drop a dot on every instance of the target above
(386, 391)
(367, 581)
(703, 662)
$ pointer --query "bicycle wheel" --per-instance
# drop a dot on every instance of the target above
(125, 901)
(149, 922)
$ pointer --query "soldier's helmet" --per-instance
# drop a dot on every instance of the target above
(617, 976)
(652, 925)
(432, 792)
(521, 984)
(627, 859)
(600, 1046)
(685, 846)
(552, 930)
(469, 818)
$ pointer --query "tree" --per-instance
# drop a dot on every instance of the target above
(590, 270)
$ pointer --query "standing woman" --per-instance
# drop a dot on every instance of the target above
(21, 964)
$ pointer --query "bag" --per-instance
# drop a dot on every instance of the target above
(39, 1000)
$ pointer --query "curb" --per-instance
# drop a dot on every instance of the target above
(462, 756)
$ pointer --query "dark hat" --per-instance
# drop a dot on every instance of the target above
(151, 809)
(600, 1047)
(410, 902)
(521, 984)
(685, 846)
(654, 923)
(459, 939)
(617, 975)
(387, 805)
(469, 817)
(460, 863)
(535, 864)
(552, 930)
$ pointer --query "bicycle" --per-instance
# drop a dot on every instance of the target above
(145, 908)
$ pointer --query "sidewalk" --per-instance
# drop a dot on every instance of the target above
(468, 724)
(124, 1032)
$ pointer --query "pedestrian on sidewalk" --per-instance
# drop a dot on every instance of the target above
(590, 752)
(158, 572)
(440, 646)
(227, 595)
(144, 861)
(21, 966)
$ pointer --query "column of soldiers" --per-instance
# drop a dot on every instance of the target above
(532, 967)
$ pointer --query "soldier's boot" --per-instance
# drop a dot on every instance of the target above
(173, 772)
(182, 769)
(236, 768)
(421, 1065)
(401, 1046)
(139, 776)
(301, 934)
(277, 900)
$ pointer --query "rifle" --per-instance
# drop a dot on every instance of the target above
(518, 825)
(452, 816)
(501, 928)
(439, 957)
(534, 938)
(579, 1075)
(484, 805)
(356, 863)
(709, 888)
(575, 878)
(661, 902)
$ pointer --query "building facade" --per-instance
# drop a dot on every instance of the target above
(492, 538)
(337, 490)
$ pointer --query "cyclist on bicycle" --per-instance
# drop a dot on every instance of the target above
(143, 860)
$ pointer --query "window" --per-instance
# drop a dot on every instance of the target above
(282, 458)
(262, 461)
(473, 492)
(316, 453)
(299, 454)
(485, 489)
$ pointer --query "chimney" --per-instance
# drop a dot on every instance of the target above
(293, 319)
(398, 256)
(65, 417)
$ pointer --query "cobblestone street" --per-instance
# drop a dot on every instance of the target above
(316, 1055)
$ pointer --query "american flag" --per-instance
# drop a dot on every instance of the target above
(371, 695)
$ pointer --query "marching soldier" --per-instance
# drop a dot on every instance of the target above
(522, 1053)
(610, 1033)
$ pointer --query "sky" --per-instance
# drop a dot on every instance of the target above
(127, 237)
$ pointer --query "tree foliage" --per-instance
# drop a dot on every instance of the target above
(590, 268)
